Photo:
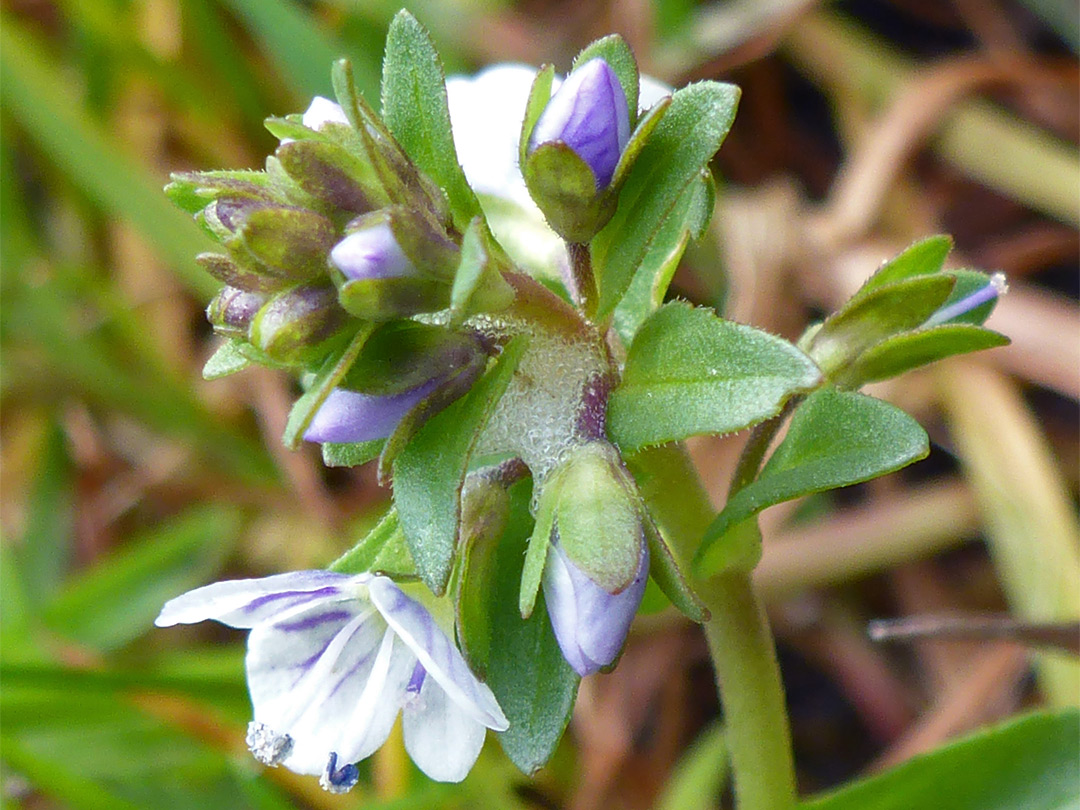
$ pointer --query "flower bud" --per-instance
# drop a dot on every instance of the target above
(598, 561)
(589, 114)
(293, 325)
(231, 311)
(349, 416)
(371, 253)
(987, 294)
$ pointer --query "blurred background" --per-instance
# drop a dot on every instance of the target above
(127, 479)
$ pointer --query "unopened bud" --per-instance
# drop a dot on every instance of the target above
(231, 311)
(293, 325)
(371, 253)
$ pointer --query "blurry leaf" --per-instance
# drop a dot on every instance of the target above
(699, 775)
(303, 51)
(415, 110)
(333, 369)
(36, 94)
(923, 258)
(646, 292)
(614, 50)
(526, 670)
(227, 359)
(52, 779)
(116, 599)
(868, 319)
(1026, 504)
(684, 142)
(430, 470)
(16, 630)
(836, 439)
(50, 525)
(689, 372)
(1027, 764)
(913, 349)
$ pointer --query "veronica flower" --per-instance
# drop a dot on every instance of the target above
(349, 416)
(331, 660)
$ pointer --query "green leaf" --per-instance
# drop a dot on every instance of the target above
(614, 50)
(382, 550)
(913, 349)
(54, 780)
(1028, 764)
(430, 471)
(681, 146)
(478, 283)
(351, 454)
(700, 774)
(646, 292)
(868, 319)
(923, 258)
(227, 359)
(415, 110)
(836, 438)
(526, 670)
(116, 599)
(690, 372)
(334, 368)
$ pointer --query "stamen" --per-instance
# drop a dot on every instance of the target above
(339, 780)
(995, 289)
(266, 745)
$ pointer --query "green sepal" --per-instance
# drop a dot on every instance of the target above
(333, 175)
(923, 258)
(485, 511)
(193, 191)
(532, 572)
(427, 246)
(382, 551)
(387, 299)
(564, 188)
(836, 439)
(351, 454)
(429, 471)
(401, 355)
(872, 317)
(634, 146)
(614, 50)
(326, 380)
(479, 285)
(666, 573)
(539, 96)
(969, 282)
(415, 109)
(227, 359)
(292, 243)
(240, 275)
(299, 324)
(919, 348)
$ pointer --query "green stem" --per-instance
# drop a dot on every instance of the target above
(583, 277)
(738, 635)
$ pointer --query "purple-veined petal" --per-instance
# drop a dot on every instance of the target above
(312, 671)
(371, 253)
(323, 111)
(436, 653)
(349, 416)
(589, 114)
(246, 602)
(590, 624)
(442, 737)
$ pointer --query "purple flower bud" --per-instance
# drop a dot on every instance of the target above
(995, 288)
(349, 416)
(232, 310)
(589, 114)
(590, 623)
(371, 253)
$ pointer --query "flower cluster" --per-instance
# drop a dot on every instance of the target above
(345, 262)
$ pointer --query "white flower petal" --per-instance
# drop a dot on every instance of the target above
(650, 91)
(438, 655)
(441, 736)
(323, 111)
(247, 602)
(306, 673)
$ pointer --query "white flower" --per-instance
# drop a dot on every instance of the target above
(331, 660)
